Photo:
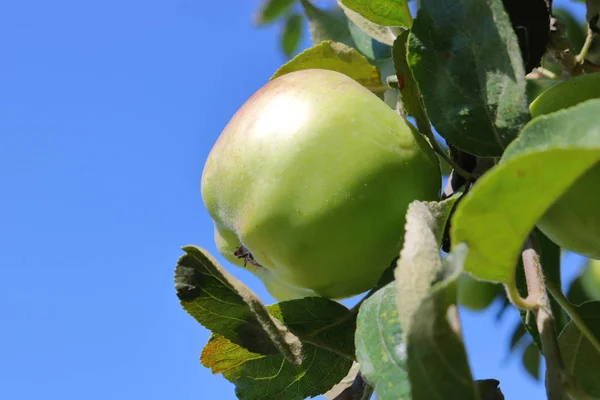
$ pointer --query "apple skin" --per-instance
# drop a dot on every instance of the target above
(573, 220)
(313, 176)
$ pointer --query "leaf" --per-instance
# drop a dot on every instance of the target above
(336, 57)
(327, 332)
(531, 360)
(504, 205)
(326, 25)
(592, 10)
(382, 12)
(345, 383)
(380, 349)
(426, 304)
(573, 28)
(434, 344)
(518, 333)
(367, 46)
(466, 60)
(382, 34)
(224, 305)
(420, 264)
(590, 279)
(409, 90)
(291, 34)
(489, 390)
(271, 10)
(581, 358)
(576, 294)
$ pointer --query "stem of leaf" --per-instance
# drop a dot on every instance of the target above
(528, 303)
(546, 72)
(586, 46)
(572, 312)
(426, 130)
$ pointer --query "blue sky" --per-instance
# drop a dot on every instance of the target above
(108, 111)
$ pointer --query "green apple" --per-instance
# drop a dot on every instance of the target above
(475, 294)
(309, 183)
(573, 220)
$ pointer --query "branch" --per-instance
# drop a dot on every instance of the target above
(555, 382)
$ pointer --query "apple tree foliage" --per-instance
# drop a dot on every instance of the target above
(523, 188)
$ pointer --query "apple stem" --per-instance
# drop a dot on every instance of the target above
(425, 129)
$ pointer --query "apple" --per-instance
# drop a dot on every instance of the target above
(573, 220)
(474, 294)
(309, 183)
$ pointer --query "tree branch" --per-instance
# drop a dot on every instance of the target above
(555, 382)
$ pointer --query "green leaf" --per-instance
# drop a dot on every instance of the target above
(504, 205)
(581, 358)
(531, 360)
(345, 383)
(466, 60)
(380, 350)
(575, 31)
(380, 347)
(409, 90)
(326, 25)
(291, 33)
(426, 301)
(367, 46)
(420, 263)
(518, 333)
(271, 10)
(489, 390)
(336, 57)
(327, 331)
(536, 87)
(382, 34)
(590, 279)
(382, 12)
(434, 339)
(576, 294)
(224, 305)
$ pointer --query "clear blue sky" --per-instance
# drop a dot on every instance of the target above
(107, 112)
